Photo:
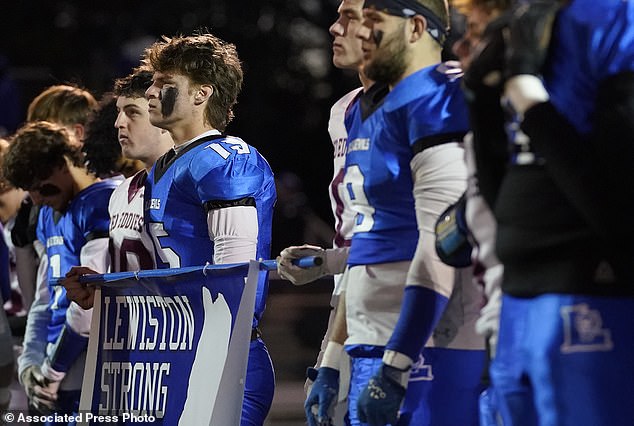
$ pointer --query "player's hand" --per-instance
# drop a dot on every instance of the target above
(51, 387)
(78, 292)
(311, 375)
(319, 405)
(41, 395)
(295, 274)
(380, 401)
(528, 37)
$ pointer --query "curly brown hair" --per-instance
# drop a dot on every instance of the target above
(36, 151)
(5, 185)
(203, 59)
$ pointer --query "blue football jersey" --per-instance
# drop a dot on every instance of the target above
(65, 234)
(214, 172)
(604, 31)
(384, 133)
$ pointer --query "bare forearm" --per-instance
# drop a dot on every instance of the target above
(339, 328)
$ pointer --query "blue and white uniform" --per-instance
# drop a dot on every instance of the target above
(57, 329)
(65, 235)
(212, 202)
(404, 166)
(566, 320)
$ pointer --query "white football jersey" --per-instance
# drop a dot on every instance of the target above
(340, 204)
(344, 215)
(130, 245)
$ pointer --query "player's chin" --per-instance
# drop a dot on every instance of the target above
(343, 61)
(127, 150)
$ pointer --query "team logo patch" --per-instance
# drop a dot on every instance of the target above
(583, 330)
(421, 371)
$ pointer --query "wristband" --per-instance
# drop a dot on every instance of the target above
(336, 260)
(397, 360)
(332, 355)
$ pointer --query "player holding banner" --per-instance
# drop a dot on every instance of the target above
(220, 230)
(130, 247)
(210, 199)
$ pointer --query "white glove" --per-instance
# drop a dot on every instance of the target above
(295, 274)
(524, 92)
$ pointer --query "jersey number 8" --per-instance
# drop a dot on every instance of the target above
(353, 182)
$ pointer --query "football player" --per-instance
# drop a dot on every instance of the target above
(210, 198)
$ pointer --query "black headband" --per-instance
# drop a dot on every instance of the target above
(407, 9)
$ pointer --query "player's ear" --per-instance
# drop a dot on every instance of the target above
(417, 28)
(78, 132)
(203, 93)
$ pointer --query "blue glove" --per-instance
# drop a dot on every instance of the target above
(381, 400)
(323, 394)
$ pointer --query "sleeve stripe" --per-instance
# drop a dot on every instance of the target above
(434, 140)
(221, 204)
(94, 235)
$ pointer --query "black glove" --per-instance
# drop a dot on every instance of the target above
(528, 37)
